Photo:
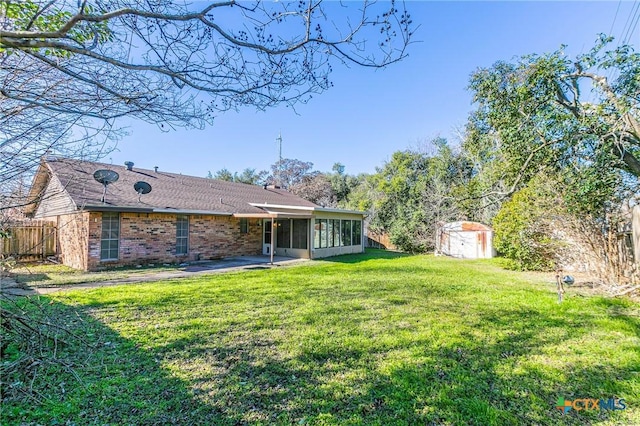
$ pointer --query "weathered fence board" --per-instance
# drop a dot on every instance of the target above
(30, 239)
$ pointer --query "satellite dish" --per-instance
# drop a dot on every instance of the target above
(141, 188)
(105, 177)
(568, 279)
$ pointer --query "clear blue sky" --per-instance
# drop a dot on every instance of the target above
(369, 114)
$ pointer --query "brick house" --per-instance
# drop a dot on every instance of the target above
(182, 219)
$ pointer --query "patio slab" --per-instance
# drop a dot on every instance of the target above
(231, 264)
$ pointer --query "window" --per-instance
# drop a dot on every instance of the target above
(320, 235)
(346, 232)
(299, 233)
(356, 227)
(283, 234)
(110, 241)
(244, 225)
(182, 234)
(316, 234)
(329, 233)
(323, 236)
(336, 232)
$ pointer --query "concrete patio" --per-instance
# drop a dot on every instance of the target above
(232, 264)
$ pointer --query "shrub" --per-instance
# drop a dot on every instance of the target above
(523, 228)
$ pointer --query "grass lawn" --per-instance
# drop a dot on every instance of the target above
(48, 275)
(374, 339)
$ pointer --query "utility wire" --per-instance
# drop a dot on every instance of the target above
(614, 18)
(629, 23)
(634, 25)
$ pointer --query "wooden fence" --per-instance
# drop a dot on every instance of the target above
(26, 240)
(379, 241)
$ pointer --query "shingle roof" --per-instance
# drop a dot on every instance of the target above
(169, 190)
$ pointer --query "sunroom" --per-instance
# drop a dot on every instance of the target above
(310, 232)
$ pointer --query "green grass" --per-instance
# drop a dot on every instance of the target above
(366, 339)
(49, 275)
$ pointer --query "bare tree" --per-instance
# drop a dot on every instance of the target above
(71, 69)
(315, 187)
(290, 172)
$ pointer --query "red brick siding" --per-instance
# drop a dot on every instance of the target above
(151, 238)
(73, 239)
(213, 237)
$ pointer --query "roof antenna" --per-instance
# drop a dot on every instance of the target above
(141, 188)
(279, 140)
(105, 177)
(279, 170)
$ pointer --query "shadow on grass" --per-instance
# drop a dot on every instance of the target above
(245, 374)
(476, 381)
(369, 254)
(472, 382)
(93, 377)
(31, 278)
(623, 309)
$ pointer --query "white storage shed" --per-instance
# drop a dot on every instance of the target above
(466, 240)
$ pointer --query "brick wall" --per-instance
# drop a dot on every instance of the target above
(151, 238)
(73, 239)
(212, 237)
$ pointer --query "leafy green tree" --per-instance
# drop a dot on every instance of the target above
(483, 187)
(342, 184)
(399, 211)
(576, 119)
(524, 231)
(364, 194)
(565, 114)
(251, 177)
(223, 174)
(410, 194)
(248, 176)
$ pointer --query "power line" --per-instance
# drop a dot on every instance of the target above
(635, 25)
(615, 17)
(629, 23)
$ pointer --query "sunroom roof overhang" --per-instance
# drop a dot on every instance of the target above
(274, 215)
(309, 209)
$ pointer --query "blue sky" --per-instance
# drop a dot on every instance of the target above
(369, 114)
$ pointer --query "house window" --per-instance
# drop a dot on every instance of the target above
(110, 240)
(329, 233)
(323, 236)
(356, 227)
(320, 235)
(317, 230)
(244, 225)
(346, 232)
(182, 234)
(336, 232)
(299, 234)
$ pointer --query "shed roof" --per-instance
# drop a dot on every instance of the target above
(170, 192)
(464, 225)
